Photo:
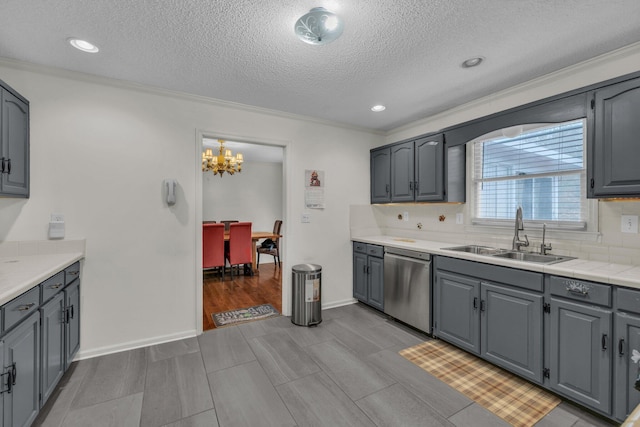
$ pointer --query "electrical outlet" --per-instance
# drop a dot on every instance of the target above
(629, 224)
(405, 216)
(306, 218)
(459, 218)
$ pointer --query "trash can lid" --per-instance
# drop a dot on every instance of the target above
(307, 268)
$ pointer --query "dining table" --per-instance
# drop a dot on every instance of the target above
(255, 236)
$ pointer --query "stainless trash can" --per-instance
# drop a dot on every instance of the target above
(307, 287)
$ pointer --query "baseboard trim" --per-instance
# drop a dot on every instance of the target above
(131, 345)
(336, 304)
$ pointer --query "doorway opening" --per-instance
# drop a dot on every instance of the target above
(254, 195)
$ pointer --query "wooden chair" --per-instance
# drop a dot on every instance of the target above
(213, 247)
(240, 250)
(227, 223)
(275, 249)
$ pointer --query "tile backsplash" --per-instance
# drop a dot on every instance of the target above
(438, 223)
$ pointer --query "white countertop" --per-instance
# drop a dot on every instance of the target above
(18, 274)
(603, 272)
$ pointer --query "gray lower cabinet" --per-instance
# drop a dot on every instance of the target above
(368, 274)
(72, 321)
(21, 379)
(580, 353)
(14, 143)
(53, 344)
(511, 332)
(500, 323)
(627, 371)
(613, 149)
(456, 310)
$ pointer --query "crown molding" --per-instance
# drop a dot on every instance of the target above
(138, 87)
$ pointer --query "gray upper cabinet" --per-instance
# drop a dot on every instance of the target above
(429, 169)
(381, 175)
(14, 144)
(613, 141)
(421, 170)
(402, 181)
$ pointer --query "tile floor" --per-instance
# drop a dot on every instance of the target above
(345, 372)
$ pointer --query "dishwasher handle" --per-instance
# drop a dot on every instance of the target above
(407, 255)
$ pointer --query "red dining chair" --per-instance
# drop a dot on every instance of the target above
(240, 247)
(272, 247)
(213, 247)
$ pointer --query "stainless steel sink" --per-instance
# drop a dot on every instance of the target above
(476, 249)
(532, 257)
(509, 254)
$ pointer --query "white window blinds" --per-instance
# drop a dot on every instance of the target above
(541, 169)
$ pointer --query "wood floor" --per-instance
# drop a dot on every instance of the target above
(264, 287)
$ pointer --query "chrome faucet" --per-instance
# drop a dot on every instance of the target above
(544, 248)
(517, 243)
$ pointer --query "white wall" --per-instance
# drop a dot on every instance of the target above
(99, 153)
(253, 195)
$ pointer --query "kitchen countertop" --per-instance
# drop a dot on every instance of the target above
(18, 274)
(603, 272)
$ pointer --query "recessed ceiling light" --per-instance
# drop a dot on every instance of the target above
(378, 108)
(472, 62)
(83, 45)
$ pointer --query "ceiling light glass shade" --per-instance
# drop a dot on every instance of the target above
(83, 45)
(319, 26)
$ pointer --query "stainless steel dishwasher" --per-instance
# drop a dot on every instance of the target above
(407, 287)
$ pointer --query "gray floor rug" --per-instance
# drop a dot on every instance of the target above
(233, 317)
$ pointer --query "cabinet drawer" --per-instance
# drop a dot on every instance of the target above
(71, 273)
(360, 247)
(52, 286)
(581, 290)
(375, 250)
(628, 300)
(20, 308)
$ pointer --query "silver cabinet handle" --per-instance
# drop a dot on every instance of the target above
(26, 307)
(56, 286)
(578, 288)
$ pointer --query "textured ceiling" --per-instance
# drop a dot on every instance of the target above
(405, 54)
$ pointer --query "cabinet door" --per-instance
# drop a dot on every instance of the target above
(402, 172)
(381, 175)
(376, 282)
(15, 146)
(72, 317)
(429, 169)
(22, 350)
(615, 140)
(53, 350)
(456, 310)
(580, 353)
(511, 330)
(360, 277)
(627, 372)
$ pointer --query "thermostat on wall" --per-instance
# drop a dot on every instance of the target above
(56, 226)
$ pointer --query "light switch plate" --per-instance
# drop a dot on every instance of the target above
(459, 218)
(629, 224)
(306, 218)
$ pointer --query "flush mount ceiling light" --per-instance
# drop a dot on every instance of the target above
(378, 108)
(318, 27)
(472, 62)
(83, 45)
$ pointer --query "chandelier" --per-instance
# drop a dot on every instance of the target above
(225, 161)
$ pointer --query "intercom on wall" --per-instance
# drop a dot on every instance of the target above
(170, 188)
